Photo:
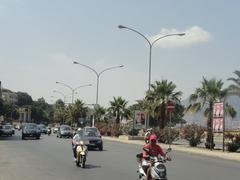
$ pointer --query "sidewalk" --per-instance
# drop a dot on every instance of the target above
(184, 148)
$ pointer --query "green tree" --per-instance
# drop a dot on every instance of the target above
(210, 92)
(118, 108)
(41, 111)
(59, 115)
(24, 99)
(1, 106)
(157, 98)
(9, 111)
(79, 110)
(235, 88)
(59, 104)
(99, 112)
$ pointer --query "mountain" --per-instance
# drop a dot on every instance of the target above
(199, 118)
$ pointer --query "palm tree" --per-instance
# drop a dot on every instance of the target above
(210, 92)
(157, 98)
(235, 88)
(79, 110)
(99, 112)
(119, 108)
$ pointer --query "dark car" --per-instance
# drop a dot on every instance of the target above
(43, 128)
(31, 130)
(92, 134)
(7, 130)
(65, 131)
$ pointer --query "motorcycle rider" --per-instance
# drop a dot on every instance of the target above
(152, 149)
(49, 131)
(75, 139)
(147, 135)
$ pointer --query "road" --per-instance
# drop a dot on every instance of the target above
(51, 158)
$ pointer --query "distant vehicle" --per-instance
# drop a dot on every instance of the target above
(43, 128)
(93, 135)
(18, 127)
(7, 130)
(65, 131)
(55, 129)
(31, 130)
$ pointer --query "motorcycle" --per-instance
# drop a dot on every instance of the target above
(82, 152)
(49, 131)
(158, 170)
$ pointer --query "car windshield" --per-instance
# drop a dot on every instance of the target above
(31, 126)
(65, 128)
(42, 126)
(7, 127)
(91, 133)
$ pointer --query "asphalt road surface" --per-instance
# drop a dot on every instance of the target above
(51, 158)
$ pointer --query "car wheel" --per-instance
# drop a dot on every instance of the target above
(100, 148)
(38, 137)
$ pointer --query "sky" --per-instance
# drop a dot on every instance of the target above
(39, 40)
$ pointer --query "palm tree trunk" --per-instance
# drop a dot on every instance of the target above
(210, 139)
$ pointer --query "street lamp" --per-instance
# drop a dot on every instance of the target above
(73, 89)
(151, 43)
(97, 74)
(64, 96)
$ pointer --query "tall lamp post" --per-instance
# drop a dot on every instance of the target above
(64, 96)
(73, 89)
(151, 43)
(98, 74)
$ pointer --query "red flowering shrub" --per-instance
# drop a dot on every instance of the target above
(193, 134)
(234, 143)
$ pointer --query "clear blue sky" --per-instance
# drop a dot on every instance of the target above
(39, 40)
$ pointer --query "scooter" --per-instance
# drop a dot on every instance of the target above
(49, 131)
(82, 152)
(158, 170)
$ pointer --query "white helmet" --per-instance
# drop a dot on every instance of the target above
(79, 129)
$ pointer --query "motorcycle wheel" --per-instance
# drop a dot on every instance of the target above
(83, 160)
(77, 163)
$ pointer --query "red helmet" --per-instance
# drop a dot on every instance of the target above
(153, 137)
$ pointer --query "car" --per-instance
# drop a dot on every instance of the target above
(93, 135)
(31, 130)
(65, 131)
(43, 128)
(7, 130)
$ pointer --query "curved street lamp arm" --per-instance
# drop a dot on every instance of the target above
(75, 62)
(65, 85)
(181, 34)
(82, 86)
(124, 27)
(55, 91)
(114, 67)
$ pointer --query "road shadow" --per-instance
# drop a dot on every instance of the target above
(93, 149)
(90, 166)
(16, 138)
(10, 138)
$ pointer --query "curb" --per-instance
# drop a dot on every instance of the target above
(186, 149)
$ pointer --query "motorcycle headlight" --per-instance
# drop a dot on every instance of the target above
(161, 170)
